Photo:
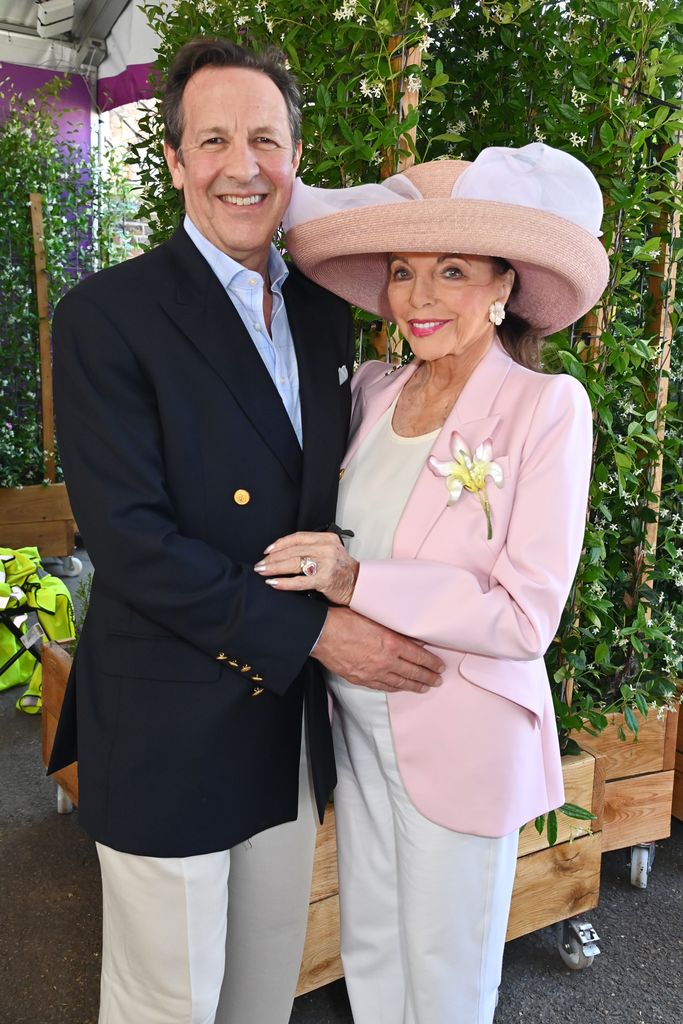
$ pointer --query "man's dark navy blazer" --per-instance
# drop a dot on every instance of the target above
(184, 707)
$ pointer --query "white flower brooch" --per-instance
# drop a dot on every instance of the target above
(469, 472)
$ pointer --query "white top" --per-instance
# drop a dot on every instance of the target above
(376, 486)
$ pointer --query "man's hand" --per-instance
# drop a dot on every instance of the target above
(367, 654)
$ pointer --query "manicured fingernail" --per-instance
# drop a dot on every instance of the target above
(273, 583)
(269, 549)
(260, 567)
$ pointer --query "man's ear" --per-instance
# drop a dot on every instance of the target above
(175, 165)
(297, 156)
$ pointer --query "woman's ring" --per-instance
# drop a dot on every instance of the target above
(309, 566)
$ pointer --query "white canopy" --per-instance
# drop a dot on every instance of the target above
(108, 41)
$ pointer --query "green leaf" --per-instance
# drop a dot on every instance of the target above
(575, 811)
(606, 133)
(552, 828)
(641, 704)
(582, 81)
(631, 720)
(660, 117)
(539, 824)
(602, 653)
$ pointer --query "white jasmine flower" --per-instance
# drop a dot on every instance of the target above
(578, 98)
(373, 89)
(474, 111)
(576, 140)
(414, 83)
(482, 55)
(552, 52)
(486, 104)
(427, 41)
(423, 21)
(538, 134)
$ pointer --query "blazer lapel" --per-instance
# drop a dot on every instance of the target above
(317, 389)
(374, 400)
(473, 419)
(205, 314)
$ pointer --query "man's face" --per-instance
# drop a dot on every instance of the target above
(236, 164)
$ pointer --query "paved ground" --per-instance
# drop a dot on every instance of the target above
(50, 923)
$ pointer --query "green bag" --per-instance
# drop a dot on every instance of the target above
(23, 589)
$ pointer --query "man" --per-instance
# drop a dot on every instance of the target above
(203, 401)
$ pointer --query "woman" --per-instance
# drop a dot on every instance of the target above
(465, 486)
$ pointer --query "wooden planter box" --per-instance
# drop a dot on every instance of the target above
(551, 884)
(677, 806)
(37, 516)
(639, 778)
(56, 665)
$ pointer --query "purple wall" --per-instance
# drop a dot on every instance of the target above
(74, 100)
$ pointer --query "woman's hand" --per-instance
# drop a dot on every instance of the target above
(310, 561)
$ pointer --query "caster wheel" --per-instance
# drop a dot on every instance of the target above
(577, 944)
(64, 805)
(642, 858)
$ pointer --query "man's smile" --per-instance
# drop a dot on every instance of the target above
(233, 200)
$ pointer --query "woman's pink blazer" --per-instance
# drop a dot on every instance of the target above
(480, 754)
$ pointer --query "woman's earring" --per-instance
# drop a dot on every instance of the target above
(496, 313)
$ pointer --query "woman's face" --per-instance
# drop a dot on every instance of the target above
(441, 301)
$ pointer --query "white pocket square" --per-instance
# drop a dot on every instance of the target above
(343, 374)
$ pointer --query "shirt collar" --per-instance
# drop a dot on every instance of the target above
(226, 268)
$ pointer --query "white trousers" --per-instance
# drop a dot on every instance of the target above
(423, 909)
(211, 939)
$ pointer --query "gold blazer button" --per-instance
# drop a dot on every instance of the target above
(242, 497)
(257, 691)
(341, 473)
(222, 656)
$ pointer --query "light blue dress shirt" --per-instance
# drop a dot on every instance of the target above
(245, 290)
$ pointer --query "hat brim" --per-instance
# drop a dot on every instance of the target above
(562, 268)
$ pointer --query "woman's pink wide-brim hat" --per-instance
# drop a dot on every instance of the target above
(536, 207)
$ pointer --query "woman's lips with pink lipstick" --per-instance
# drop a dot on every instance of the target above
(423, 328)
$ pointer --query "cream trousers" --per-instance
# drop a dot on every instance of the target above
(211, 939)
(423, 909)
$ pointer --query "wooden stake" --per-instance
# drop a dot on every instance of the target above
(395, 160)
(660, 324)
(46, 400)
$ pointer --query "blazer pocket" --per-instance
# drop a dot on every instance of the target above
(522, 682)
(161, 658)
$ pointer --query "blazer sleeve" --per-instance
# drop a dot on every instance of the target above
(517, 614)
(111, 448)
